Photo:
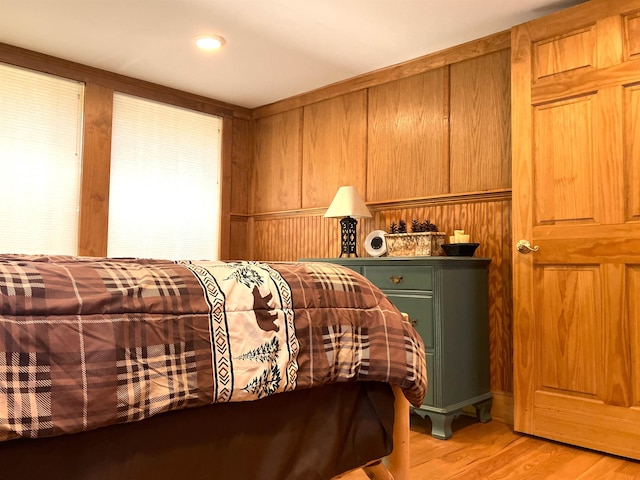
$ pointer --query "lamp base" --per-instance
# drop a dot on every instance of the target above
(348, 232)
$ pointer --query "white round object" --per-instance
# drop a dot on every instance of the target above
(374, 244)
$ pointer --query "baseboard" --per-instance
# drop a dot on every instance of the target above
(502, 408)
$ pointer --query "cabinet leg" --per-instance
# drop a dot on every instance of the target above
(441, 425)
(483, 410)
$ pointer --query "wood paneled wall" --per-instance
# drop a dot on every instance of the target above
(424, 140)
(438, 132)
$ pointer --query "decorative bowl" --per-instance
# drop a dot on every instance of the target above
(460, 249)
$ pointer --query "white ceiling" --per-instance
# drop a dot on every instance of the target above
(275, 48)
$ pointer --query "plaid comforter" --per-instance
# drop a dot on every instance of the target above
(88, 342)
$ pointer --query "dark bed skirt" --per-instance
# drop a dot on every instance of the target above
(306, 435)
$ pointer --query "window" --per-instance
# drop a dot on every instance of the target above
(40, 162)
(165, 189)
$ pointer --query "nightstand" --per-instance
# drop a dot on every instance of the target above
(446, 299)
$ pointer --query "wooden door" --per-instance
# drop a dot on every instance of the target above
(576, 197)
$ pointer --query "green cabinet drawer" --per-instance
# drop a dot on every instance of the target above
(355, 268)
(392, 277)
(419, 307)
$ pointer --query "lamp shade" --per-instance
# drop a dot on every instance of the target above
(347, 203)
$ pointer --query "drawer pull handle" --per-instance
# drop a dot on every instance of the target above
(395, 279)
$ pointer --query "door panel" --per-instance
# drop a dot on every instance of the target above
(609, 428)
(570, 326)
(564, 53)
(633, 286)
(632, 152)
(632, 34)
(565, 189)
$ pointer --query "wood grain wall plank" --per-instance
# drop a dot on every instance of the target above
(277, 173)
(408, 125)
(241, 165)
(334, 148)
(239, 236)
(480, 141)
(226, 160)
(96, 170)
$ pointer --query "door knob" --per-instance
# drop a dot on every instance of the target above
(524, 246)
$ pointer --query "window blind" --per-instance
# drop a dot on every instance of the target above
(165, 188)
(40, 162)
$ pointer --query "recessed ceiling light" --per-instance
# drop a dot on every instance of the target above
(210, 42)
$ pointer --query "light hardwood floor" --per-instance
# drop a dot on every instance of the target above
(493, 451)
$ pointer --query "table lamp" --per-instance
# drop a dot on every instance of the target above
(348, 204)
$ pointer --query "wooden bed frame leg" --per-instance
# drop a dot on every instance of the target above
(377, 471)
(398, 460)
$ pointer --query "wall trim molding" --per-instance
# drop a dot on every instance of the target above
(448, 199)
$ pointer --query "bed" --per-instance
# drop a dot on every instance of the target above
(146, 368)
